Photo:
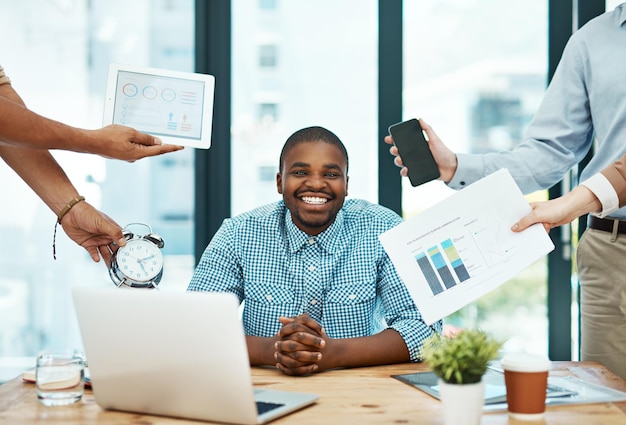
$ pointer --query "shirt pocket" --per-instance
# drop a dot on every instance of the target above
(349, 310)
(263, 305)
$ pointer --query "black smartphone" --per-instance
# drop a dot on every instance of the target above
(414, 151)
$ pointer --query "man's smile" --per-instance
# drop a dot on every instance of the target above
(314, 200)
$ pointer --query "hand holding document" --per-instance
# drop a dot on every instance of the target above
(463, 247)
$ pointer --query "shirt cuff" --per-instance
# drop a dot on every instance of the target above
(414, 334)
(605, 192)
(468, 170)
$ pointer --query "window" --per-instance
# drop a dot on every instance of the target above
(268, 56)
(611, 4)
(69, 46)
(328, 79)
(268, 112)
(267, 173)
(476, 72)
(267, 4)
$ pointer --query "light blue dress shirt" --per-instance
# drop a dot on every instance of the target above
(585, 100)
(342, 277)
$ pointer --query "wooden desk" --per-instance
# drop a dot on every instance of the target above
(352, 396)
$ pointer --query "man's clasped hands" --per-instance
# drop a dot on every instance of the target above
(301, 345)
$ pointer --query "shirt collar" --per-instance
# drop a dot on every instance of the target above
(327, 240)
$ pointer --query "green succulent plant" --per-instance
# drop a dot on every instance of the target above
(462, 359)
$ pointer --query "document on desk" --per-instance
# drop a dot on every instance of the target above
(462, 248)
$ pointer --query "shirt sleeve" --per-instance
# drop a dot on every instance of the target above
(402, 314)
(616, 176)
(606, 194)
(469, 169)
(218, 269)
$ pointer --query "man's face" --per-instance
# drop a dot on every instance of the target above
(314, 184)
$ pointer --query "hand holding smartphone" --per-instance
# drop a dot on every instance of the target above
(414, 151)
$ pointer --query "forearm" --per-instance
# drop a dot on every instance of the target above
(386, 347)
(21, 127)
(261, 350)
(42, 173)
(561, 210)
(580, 201)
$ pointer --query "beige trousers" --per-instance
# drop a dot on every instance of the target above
(601, 260)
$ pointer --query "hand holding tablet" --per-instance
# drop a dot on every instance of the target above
(175, 106)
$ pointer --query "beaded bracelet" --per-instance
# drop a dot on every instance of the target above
(62, 214)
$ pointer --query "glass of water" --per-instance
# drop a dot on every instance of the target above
(60, 377)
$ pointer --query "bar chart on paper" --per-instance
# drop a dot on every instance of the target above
(474, 251)
(436, 270)
(462, 248)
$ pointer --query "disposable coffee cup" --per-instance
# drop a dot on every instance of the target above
(526, 379)
(59, 377)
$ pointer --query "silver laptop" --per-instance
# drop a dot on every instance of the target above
(180, 354)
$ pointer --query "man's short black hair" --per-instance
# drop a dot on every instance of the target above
(311, 134)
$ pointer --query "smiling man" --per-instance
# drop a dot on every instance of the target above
(319, 291)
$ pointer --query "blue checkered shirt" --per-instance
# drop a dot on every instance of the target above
(342, 277)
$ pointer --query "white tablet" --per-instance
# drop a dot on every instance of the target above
(175, 106)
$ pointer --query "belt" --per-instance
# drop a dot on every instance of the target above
(606, 224)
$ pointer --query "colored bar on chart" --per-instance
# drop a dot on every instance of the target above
(455, 260)
(441, 266)
(429, 273)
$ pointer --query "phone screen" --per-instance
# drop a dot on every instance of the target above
(414, 151)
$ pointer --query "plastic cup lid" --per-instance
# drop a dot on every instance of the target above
(523, 362)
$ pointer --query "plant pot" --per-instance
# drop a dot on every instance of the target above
(462, 403)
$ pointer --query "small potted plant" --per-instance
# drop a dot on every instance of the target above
(460, 362)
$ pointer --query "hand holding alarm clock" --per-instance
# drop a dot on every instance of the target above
(138, 264)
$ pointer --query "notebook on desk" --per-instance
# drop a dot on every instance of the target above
(179, 354)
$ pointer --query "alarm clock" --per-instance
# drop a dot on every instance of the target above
(139, 263)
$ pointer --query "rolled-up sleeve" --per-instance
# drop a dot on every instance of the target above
(616, 175)
(606, 194)
(402, 314)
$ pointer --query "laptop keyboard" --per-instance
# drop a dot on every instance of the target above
(264, 406)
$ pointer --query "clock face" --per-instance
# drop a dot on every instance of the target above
(140, 260)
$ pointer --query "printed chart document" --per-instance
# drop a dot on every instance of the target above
(462, 248)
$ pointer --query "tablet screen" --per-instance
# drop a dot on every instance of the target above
(177, 107)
